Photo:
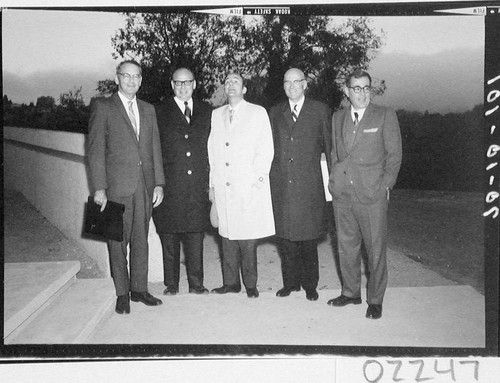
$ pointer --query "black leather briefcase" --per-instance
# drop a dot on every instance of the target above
(107, 224)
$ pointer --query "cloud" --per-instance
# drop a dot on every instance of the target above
(27, 88)
(450, 81)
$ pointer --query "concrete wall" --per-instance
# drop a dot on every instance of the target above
(49, 169)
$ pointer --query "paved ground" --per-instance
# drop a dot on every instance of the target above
(414, 292)
(29, 237)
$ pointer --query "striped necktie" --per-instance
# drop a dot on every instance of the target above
(294, 113)
(131, 115)
(187, 111)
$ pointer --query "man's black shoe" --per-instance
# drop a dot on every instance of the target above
(171, 290)
(374, 311)
(226, 289)
(123, 304)
(285, 291)
(198, 290)
(312, 295)
(252, 293)
(145, 298)
(342, 300)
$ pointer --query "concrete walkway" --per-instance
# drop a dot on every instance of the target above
(421, 309)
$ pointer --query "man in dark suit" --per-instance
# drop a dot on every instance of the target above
(302, 132)
(183, 217)
(366, 157)
(126, 166)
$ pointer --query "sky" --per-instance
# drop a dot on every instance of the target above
(430, 64)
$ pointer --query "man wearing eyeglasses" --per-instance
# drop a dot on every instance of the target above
(366, 157)
(125, 166)
(302, 133)
(183, 217)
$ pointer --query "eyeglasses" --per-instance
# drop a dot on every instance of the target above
(357, 89)
(178, 84)
(128, 76)
(294, 82)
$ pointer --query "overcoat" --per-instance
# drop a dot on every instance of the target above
(240, 155)
(371, 163)
(185, 206)
(116, 157)
(297, 186)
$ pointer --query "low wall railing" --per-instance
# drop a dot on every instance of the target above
(50, 169)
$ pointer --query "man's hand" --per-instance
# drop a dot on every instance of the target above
(211, 194)
(100, 198)
(157, 196)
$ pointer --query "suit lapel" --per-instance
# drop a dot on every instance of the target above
(142, 118)
(225, 117)
(121, 108)
(365, 121)
(195, 112)
(343, 127)
(287, 115)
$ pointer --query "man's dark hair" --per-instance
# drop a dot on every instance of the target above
(133, 62)
(358, 73)
(243, 79)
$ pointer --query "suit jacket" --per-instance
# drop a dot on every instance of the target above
(240, 155)
(297, 187)
(185, 206)
(371, 164)
(116, 157)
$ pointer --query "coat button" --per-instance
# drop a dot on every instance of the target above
(291, 138)
(227, 143)
(140, 163)
(186, 136)
(188, 154)
(189, 172)
(290, 160)
(227, 184)
(227, 163)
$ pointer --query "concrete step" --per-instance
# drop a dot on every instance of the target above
(72, 317)
(28, 287)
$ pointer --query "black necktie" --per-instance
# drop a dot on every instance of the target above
(187, 111)
(294, 113)
(356, 118)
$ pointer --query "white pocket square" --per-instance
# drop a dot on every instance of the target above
(373, 130)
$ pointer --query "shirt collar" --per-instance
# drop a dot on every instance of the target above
(236, 107)
(181, 104)
(298, 103)
(125, 100)
(360, 113)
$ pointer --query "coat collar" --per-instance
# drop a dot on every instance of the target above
(118, 102)
(287, 112)
(240, 110)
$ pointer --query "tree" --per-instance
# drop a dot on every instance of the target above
(6, 103)
(72, 99)
(262, 48)
(326, 52)
(209, 45)
(45, 102)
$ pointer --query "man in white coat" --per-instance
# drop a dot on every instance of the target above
(240, 153)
